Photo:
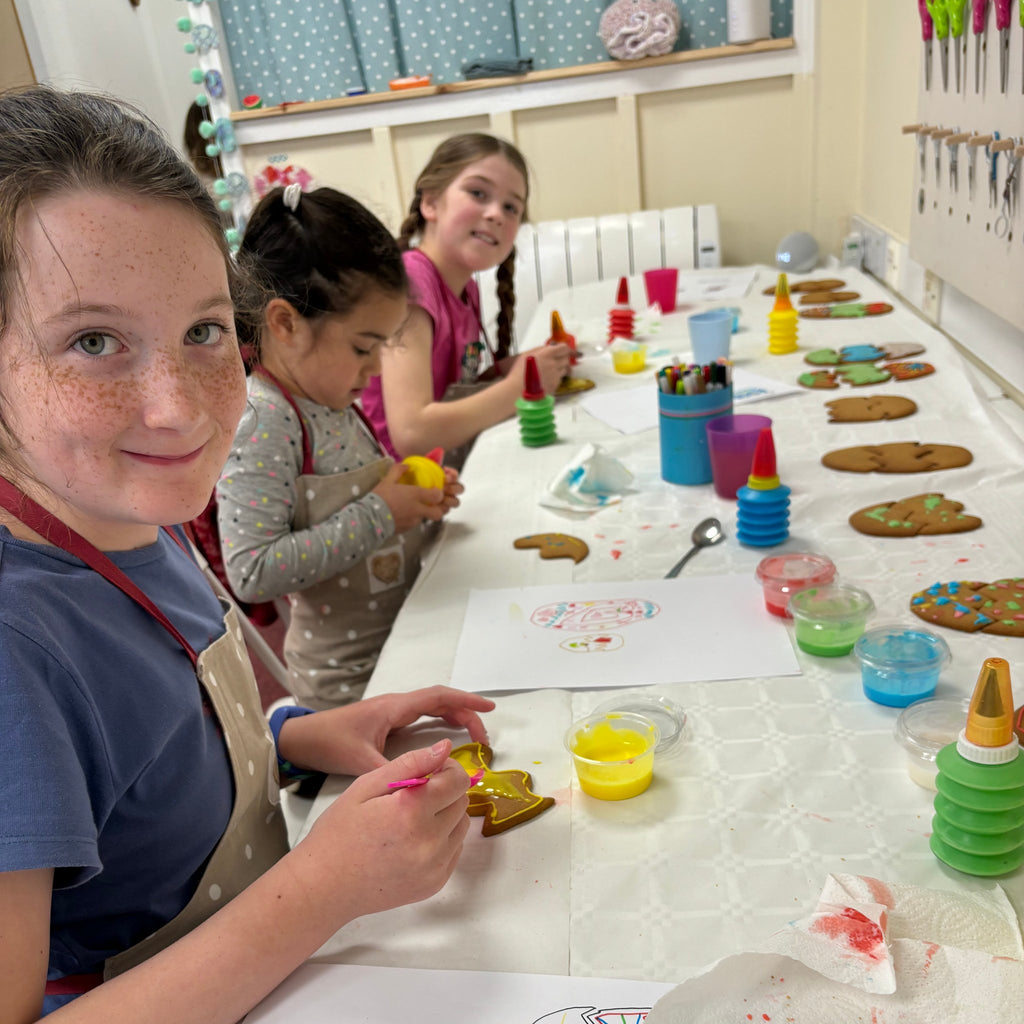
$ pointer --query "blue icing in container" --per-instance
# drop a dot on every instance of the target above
(900, 664)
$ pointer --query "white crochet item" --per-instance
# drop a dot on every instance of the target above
(631, 29)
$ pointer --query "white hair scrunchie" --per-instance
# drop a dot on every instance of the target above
(292, 194)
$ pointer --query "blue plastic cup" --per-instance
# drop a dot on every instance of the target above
(710, 334)
(682, 421)
(900, 664)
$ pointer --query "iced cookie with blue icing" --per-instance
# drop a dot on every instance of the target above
(973, 606)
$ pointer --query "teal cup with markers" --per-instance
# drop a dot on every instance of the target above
(682, 423)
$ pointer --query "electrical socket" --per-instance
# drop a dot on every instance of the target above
(931, 302)
(873, 246)
(893, 264)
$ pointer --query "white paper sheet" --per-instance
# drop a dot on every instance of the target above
(628, 633)
(331, 993)
(631, 410)
(714, 285)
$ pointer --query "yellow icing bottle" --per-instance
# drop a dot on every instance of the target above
(424, 470)
(782, 321)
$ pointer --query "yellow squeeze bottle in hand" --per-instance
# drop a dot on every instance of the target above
(782, 321)
(424, 470)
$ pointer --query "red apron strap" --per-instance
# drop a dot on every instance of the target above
(73, 984)
(307, 446)
(47, 525)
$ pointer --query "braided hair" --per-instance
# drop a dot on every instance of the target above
(322, 251)
(445, 164)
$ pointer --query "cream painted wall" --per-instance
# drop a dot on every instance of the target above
(15, 67)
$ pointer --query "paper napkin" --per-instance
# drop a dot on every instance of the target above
(591, 480)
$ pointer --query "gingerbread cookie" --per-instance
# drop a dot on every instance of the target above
(554, 545)
(909, 371)
(902, 349)
(908, 517)
(973, 606)
(505, 796)
(817, 298)
(571, 385)
(897, 457)
(846, 310)
(847, 354)
(873, 407)
(826, 284)
(854, 374)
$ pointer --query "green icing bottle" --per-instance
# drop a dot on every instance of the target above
(536, 410)
(978, 826)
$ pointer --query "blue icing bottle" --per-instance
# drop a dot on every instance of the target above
(762, 514)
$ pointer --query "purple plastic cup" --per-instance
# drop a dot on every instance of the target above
(731, 444)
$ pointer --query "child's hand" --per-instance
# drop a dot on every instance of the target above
(452, 489)
(552, 365)
(376, 848)
(410, 504)
(350, 740)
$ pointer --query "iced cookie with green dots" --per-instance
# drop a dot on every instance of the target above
(908, 517)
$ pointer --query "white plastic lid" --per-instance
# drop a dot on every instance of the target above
(666, 714)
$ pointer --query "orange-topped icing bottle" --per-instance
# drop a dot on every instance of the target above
(762, 506)
(782, 321)
(560, 334)
(978, 826)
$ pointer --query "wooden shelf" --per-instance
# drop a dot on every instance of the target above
(546, 75)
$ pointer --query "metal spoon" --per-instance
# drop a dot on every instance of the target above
(705, 533)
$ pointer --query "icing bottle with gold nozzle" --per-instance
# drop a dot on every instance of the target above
(782, 321)
(978, 826)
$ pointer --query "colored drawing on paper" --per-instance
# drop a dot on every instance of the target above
(592, 643)
(592, 1015)
(590, 616)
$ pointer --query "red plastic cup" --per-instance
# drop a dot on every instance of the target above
(661, 287)
(731, 444)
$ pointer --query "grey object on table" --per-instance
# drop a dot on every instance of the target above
(705, 533)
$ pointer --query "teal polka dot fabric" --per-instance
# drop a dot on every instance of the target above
(291, 50)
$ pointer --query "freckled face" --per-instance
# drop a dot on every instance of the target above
(120, 370)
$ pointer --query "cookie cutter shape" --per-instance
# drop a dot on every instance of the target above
(897, 457)
(554, 545)
(505, 797)
(919, 514)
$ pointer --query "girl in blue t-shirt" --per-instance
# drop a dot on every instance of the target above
(144, 870)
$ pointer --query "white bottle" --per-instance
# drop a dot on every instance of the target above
(749, 20)
(853, 251)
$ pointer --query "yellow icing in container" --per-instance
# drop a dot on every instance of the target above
(613, 754)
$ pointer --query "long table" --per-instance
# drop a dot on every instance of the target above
(778, 781)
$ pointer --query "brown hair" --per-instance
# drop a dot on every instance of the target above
(56, 143)
(445, 164)
(195, 145)
(324, 256)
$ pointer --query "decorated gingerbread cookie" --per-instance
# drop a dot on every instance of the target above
(846, 310)
(846, 354)
(974, 606)
(504, 797)
(920, 514)
(573, 385)
(897, 457)
(554, 545)
(869, 407)
(909, 371)
(901, 349)
(854, 374)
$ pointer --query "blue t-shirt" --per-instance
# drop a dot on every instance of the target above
(114, 771)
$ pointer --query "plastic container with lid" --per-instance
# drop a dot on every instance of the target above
(923, 729)
(900, 664)
(783, 575)
(830, 618)
(613, 748)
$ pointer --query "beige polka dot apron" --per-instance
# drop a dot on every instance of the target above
(338, 627)
(256, 836)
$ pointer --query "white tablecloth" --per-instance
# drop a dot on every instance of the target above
(778, 781)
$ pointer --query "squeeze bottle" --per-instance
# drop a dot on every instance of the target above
(762, 506)
(536, 411)
(782, 321)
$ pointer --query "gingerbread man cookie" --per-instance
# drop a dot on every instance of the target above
(897, 457)
(973, 606)
(554, 545)
(504, 797)
(908, 517)
(874, 407)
